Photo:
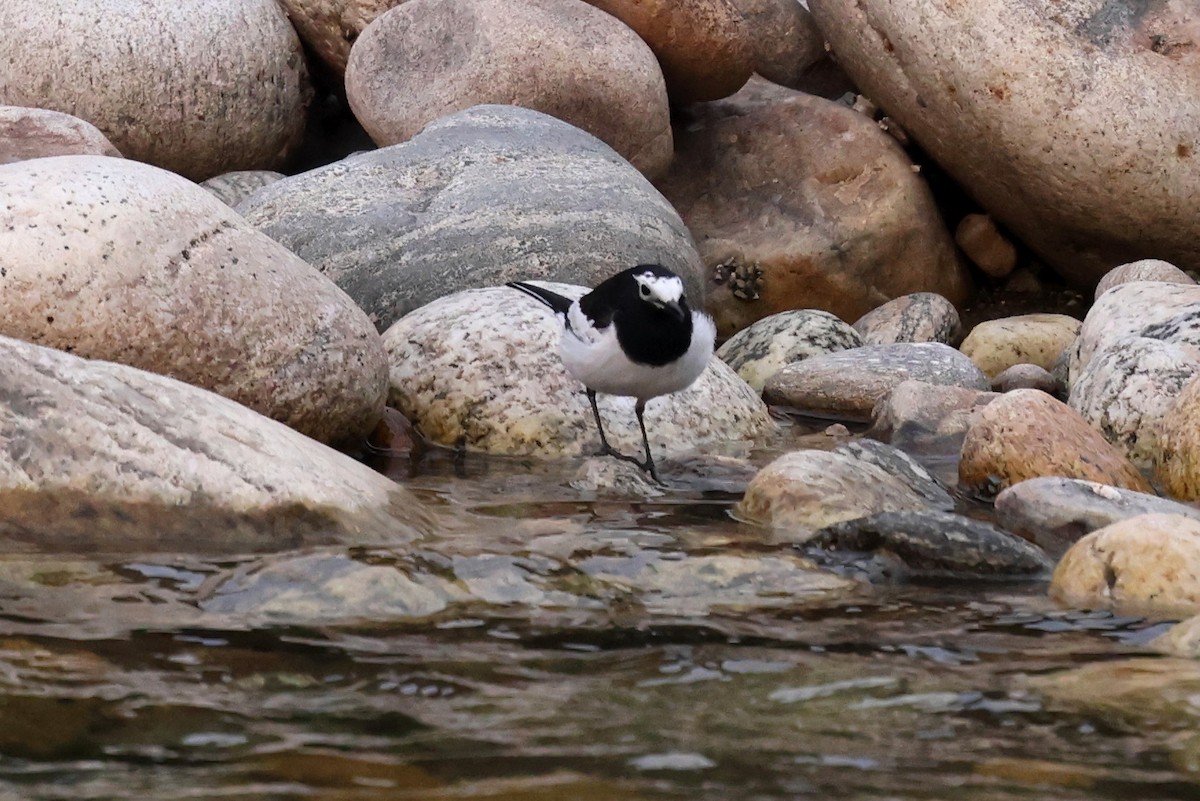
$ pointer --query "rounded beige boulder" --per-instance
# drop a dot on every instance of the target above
(330, 27)
(996, 345)
(33, 133)
(197, 88)
(1073, 122)
(117, 260)
(1177, 460)
(429, 58)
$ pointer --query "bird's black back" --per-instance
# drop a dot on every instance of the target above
(647, 334)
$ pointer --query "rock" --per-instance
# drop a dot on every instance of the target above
(1028, 376)
(785, 39)
(849, 384)
(1182, 639)
(703, 46)
(135, 461)
(234, 187)
(1125, 389)
(480, 369)
(798, 202)
(426, 59)
(760, 350)
(996, 345)
(806, 490)
(117, 260)
(1149, 564)
(1154, 309)
(1126, 695)
(933, 543)
(1055, 512)
(1025, 434)
(898, 464)
(198, 89)
(330, 27)
(985, 246)
(486, 196)
(1143, 270)
(986, 85)
(919, 317)
(927, 418)
(1177, 460)
(32, 133)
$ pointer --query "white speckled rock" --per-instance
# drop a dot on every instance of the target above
(234, 187)
(196, 88)
(114, 259)
(919, 317)
(996, 345)
(32, 133)
(1126, 388)
(480, 369)
(849, 383)
(107, 458)
(482, 197)
(1143, 270)
(1155, 309)
(1144, 564)
(766, 346)
(1177, 460)
(425, 59)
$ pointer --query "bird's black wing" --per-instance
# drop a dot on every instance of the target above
(555, 301)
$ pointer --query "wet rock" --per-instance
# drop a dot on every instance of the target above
(919, 317)
(480, 369)
(196, 89)
(1154, 309)
(1028, 376)
(113, 259)
(933, 543)
(796, 202)
(898, 464)
(849, 384)
(1142, 270)
(1177, 460)
(927, 418)
(1026, 434)
(136, 462)
(1055, 512)
(1149, 564)
(806, 490)
(985, 246)
(33, 133)
(605, 477)
(996, 345)
(763, 348)
(703, 46)
(1125, 389)
(588, 69)
(330, 27)
(232, 188)
(1182, 639)
(489, 195)
(1133, 694)
(971, 87)
(784, 38)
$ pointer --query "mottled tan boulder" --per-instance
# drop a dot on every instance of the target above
(985, 246)
(429, 58)
(785, 39)
(114, 259)
(1142, 270)
(330, 27)
(115, 459)
(32, 133)
(770, 344)
(197, 88)
(1177, 460)
(1147, 564)
(996, 345)
(798, 202)
(1026, 433)
(704, 46)
(1053, 114)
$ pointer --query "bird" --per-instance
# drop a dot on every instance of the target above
(632, 335)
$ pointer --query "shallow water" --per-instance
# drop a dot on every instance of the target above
(553, 645)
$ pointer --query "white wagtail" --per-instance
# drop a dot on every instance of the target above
(632, 335)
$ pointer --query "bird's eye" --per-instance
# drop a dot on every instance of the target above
(645, 290)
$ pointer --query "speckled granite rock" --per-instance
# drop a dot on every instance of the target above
(850, 383)
(481, 369)
(1025, 434)
(1029, 376)
(1154, 309)
(1143, 270)
(1149, 564)
(928, 418)
(33, 133)
(898, 464)
(1127, 387)
(234, 187)
(1054, 512)
(996, 345)
(114, 259)
(919, 317)
(485, 196)
(766, 346)
(1177, 460)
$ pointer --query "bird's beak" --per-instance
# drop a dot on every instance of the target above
(674, 308)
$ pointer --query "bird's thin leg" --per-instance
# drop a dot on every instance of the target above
(648, 466)
(605, 448)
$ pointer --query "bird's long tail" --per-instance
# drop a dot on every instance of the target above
(555, 301)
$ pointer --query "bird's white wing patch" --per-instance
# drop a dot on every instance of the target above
(581, 326)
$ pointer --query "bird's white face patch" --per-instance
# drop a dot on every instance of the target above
(658, 288)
